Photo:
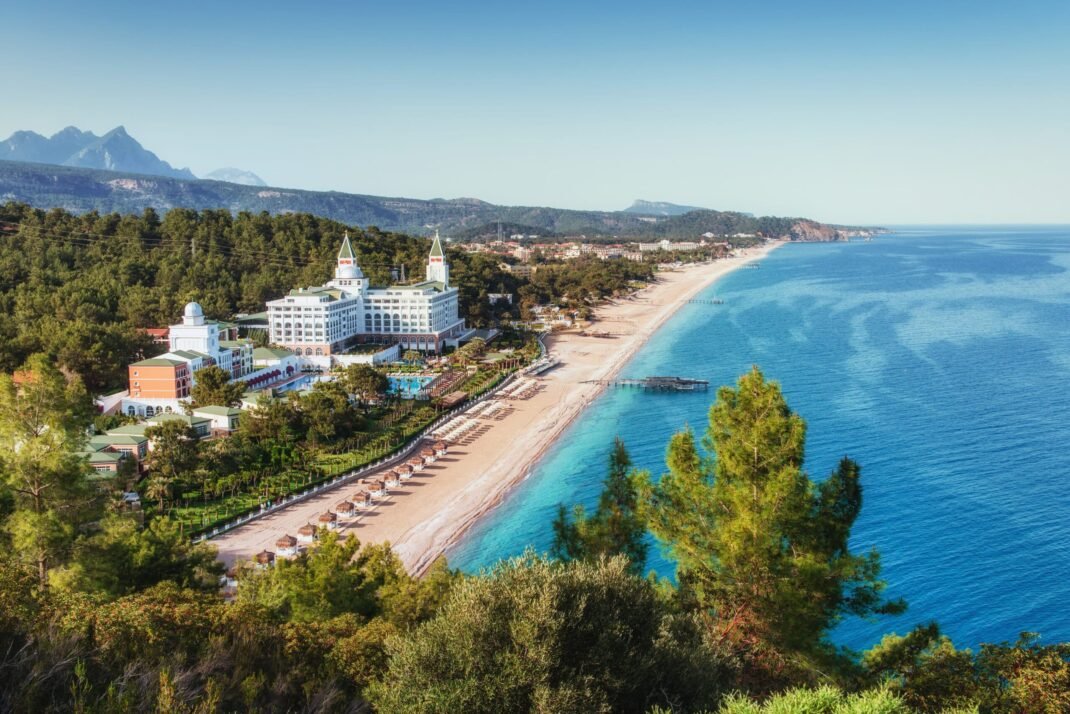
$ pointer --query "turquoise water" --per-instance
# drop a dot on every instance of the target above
(937, 358)
(407, 387)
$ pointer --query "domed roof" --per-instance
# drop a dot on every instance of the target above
(348, 272)
(193, 309)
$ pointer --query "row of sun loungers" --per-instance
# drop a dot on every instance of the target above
(377, 488)
(458, 429)
(372, 490)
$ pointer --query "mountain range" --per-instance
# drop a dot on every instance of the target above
(80, 190)
(232, 175)
(114, 151)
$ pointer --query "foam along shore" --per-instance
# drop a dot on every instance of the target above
(495, 447)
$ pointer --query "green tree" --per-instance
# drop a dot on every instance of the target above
(364, 382)
(825, 700)
(614, 528)
(332, 579)
(43, 422)
(757, 544)
(123, 558)
(328, 414)
(213, 387)
(537, 635)
(174, 457)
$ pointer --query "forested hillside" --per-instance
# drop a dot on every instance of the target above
(81, 190)
(78, 287)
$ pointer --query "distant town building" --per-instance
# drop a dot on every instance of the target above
(495, 298)
(666, 244)
(521, 271)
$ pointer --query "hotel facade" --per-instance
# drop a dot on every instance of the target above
(317, 323)
(157, 385)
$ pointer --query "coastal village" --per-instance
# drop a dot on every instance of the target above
(315, 333)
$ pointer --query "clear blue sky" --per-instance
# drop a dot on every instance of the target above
(868, 111)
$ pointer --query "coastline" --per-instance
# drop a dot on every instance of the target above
(686, 292)
(432, 512)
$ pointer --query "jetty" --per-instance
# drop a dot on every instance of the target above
(658, 384)
(699, 301)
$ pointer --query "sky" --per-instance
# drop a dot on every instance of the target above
(873, 111)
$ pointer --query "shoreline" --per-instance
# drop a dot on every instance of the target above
(433, 511)
(420, 567)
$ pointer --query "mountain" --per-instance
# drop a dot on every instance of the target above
(659, 208)
(81, 190)
(31, 146)
(115, 151)
(232, 175)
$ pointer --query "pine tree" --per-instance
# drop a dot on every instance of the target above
(614, 528)
(43, 422)
(757, 543)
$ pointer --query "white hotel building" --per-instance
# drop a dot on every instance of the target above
(331, 319)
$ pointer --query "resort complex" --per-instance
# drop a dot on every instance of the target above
(158, 384)
(343, 322)
(319, 322)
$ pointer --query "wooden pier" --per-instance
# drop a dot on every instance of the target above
(659, 384)
(699, 301)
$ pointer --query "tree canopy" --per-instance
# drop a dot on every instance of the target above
(615, 528)
(213, 387)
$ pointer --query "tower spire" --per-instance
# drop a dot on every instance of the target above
(437, 269)
(346, 252)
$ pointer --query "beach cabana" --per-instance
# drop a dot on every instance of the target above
(329, 519)
(362, 499)
(428, 455)
(345, 508)
(306, 533)
(391, 479)
(404, 471)
(287, 545)
(441, 448)
(264, 559)
(230, 578)
(376, 488)
(416, 463)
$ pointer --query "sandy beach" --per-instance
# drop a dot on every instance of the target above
(429, 512)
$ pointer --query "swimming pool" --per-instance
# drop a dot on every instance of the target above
(406, 386)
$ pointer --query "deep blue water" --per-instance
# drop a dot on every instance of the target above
(937, 358)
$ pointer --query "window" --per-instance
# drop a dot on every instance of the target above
(149, 411)
(131, 411)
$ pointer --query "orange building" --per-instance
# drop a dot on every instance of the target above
(159, 378)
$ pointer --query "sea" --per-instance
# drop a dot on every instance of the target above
(937, 357)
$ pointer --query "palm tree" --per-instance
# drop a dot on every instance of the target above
(158, 489)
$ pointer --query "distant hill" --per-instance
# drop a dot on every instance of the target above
(660, 208)
(115, 151)
(232, 175)
(489, 231)
(81, 190)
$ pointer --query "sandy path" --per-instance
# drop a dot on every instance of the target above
(433, 509)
